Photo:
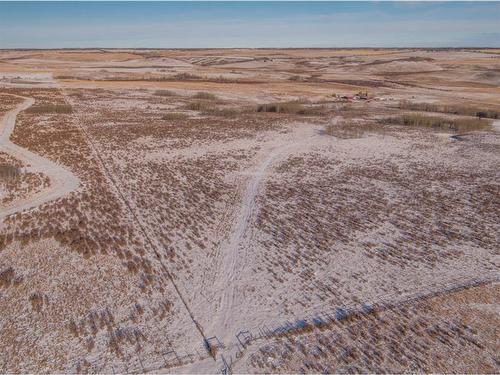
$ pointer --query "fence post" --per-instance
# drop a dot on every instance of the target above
(140, 361)
(227, 368)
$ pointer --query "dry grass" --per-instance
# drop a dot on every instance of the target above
(205, 96)
(418, 336)
(175, 77)
(50, 108)
(66, 76)
(8, 172)
(89, 222)
(352, 199)
(226, 112)
(297, 78)
(185, 77)
(6, 277)
(456, 109)
(22, 185)
(200, 105)
(210, 105)
(350, 129)
(313, 215)
(209, 108)
(173, 116)
(294, 107)
(165, 93)
(440, 123)
(218, 79)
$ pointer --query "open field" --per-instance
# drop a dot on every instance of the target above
(252, 211)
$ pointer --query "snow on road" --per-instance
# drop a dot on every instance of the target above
(62, 181)
(231, 274)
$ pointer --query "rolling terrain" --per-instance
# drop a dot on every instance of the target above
(249, 211)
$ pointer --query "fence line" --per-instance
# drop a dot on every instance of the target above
(142, 363)
(170, 358)
(342, 315)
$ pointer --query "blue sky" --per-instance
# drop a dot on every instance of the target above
(248, 24)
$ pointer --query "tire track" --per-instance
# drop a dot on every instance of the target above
(236, 246)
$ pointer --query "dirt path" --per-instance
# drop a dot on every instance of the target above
(496, 125)
(239, 239)
(62, 181)
(231, 274)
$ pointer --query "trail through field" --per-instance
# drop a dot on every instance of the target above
(62, 181)
(238, 244)
(496, 125)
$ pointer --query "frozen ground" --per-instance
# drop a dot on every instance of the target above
(179, 218)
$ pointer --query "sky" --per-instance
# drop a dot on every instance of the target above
(310, 24)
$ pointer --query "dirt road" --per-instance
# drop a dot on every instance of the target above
(62, 181)
(231, 274)
(496, 125)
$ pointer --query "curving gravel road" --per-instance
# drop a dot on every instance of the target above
(62, 181)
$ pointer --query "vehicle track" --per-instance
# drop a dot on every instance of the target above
(237, 245)
(62, 181)
(496, 125)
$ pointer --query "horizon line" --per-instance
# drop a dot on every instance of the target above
(226, 48)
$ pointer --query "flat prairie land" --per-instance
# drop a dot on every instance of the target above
(249, 211)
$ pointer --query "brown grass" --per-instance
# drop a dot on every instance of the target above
(437, 122)
(456, 109)
(66, 76)
(207, 104)
(172, 116)
(9, 172)
(200, 105)
(294, 107)
(185, 77)
(297, 78)
(226, 112)
(218, 79)
(37, 301)
(6, 277)
(165, 93)
(50, 108)
(350, 129)
(205, 96)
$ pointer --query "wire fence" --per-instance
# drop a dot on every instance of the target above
(326, 317)
(339, 315)
(138, 363)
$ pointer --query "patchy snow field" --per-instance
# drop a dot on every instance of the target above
(249, 211)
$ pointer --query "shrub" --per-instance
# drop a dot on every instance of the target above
(225, 112)
(294, 107)
(50, 108)
(436, 122)
(205, 96)
(456, 109)
(175, 116)
(288, 107)
(350, 129)
(65, 77)
(185, 77)
(165, 93)
(36, 300)
(200, 105)
(209, 108)
(6, 277)
(9, 171)
(222, 79)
